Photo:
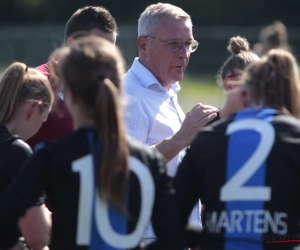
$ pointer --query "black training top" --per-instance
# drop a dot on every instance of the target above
(81, 220)
(217, 118)
(13, 153)
(246, 171)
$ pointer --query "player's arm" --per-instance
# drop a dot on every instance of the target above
(36, 226)
(165, 219)
(195, 119)
(24, 190)
(187, 188)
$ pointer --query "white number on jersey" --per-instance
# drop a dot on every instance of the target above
(85, 168)
(234, 189)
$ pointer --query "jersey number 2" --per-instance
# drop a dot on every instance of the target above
(85, 168)
(234, 189)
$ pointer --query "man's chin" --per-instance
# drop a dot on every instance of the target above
(178, 78)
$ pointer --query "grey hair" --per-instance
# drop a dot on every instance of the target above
(153, 13)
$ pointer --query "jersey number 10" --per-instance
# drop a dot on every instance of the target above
(85, 168)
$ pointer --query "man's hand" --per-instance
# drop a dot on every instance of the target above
(195, 119)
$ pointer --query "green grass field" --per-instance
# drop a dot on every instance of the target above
(200, 89)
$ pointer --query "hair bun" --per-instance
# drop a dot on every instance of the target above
(238, 44)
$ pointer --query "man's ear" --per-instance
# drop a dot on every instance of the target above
(142, 44)
(33, 110)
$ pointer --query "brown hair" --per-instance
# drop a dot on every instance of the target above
(241, 57)
(92, 69)
(275, 35)
(20, 83)
(273, 81)
(88, 18)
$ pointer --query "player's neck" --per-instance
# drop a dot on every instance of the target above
(79, 115)
(19, 124)
(228, 108)
(79, 124)
(82, 121)
(14, 128)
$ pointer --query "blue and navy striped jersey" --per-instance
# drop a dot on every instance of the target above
(246, 171)
(66, 171)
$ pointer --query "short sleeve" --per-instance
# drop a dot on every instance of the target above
(20, 154)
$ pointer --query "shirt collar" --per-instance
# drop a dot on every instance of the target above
(147, 78)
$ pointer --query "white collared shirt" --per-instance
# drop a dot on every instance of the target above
(152, 111)
(153, 114)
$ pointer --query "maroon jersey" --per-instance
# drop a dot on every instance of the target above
(59, 122)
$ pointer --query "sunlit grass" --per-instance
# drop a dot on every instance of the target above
(200, 89)
(191, 85)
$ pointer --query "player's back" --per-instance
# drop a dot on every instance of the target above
(247, 173)
(81, 220)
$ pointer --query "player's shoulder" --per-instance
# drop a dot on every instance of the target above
(15, 145)
(44, 69)
(13, 156)
(150, 156)
(68, 144)
(287, 129)
(18, 145)
(215, 129)
(283, 121)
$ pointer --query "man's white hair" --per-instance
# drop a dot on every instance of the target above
(153, 13)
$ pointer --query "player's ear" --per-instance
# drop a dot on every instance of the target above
(227, 85)
(244, 98)
(33, 109)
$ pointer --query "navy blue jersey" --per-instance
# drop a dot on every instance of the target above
(246, 171)
(13, 154)
(65, 170)
(217, 118)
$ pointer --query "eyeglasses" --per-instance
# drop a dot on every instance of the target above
(176, 45)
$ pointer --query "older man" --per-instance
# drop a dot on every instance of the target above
(165, 42)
